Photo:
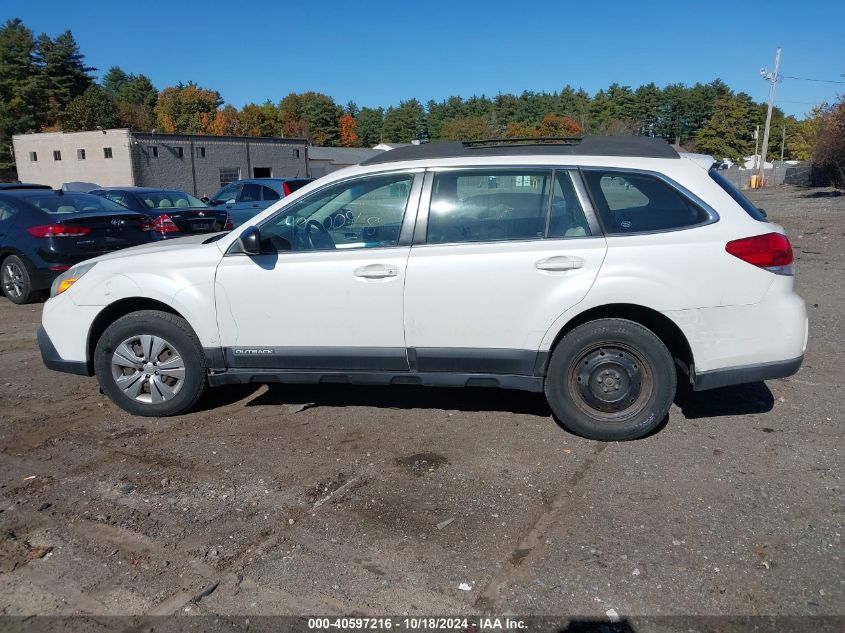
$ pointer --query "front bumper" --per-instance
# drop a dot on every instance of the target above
(52, 359)
(748, 373)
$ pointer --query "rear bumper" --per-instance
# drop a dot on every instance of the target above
(52, 359)
(748, 373)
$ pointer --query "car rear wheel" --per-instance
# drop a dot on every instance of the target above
(17, 281)
(150, 363)
(611, 379)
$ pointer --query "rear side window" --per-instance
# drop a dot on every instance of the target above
(488, 206)
(637, 203)
(251, 193)
(736, 194)
(7, 212)
(269, 194)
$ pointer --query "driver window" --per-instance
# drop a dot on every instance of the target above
(227, 195)
(362, 213)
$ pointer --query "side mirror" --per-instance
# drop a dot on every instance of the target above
(250, 241)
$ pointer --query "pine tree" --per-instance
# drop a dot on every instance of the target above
(726, 133)
(20, 88)
(405, 123)
(64, 74)
(369, 123)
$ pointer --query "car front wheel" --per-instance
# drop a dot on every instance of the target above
(611, 379)
(150, 363)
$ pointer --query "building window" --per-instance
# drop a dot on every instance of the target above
(80, 154)
(180, 152)
(229, 174)
(201, 152)
(296, 153)
(33, 157)
(107, 152)
(154, 150)
(57, 155)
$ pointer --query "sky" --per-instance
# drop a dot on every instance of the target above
(378, 53)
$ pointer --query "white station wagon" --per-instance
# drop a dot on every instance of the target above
(595, 270)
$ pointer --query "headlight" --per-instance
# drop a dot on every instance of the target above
(70, 277)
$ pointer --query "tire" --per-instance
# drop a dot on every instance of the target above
(151, 364)
(611, 380)
(17, 281)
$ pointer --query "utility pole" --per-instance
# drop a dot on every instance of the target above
(756, 158)
(782, 145)
(772, 78)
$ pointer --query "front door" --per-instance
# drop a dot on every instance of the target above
(505, 252)
(326, 293)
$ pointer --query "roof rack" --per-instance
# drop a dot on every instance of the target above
(525, 140)
(635, 146)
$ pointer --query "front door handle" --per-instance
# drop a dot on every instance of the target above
(559, 262)
(376, 271)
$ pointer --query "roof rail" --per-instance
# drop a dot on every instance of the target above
(525, 140)
(633, 146)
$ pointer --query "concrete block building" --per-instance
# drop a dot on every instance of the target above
(198, 164)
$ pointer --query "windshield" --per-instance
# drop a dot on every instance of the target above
(169, 200)
(737, 195)
(60, 204)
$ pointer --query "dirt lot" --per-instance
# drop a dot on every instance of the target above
(384, 501)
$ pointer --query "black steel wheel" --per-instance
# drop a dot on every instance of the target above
(611, 379)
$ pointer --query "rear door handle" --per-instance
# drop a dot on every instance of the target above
(559, 262)
(376, 271)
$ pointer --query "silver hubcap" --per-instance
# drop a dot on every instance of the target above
(13, 280)
(148, 369)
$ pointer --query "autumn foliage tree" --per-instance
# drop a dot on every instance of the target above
(471, 128)
(186, 109)
(556, 125)
(348, 130)
(829, 154)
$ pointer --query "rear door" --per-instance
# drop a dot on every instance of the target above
(499, 255)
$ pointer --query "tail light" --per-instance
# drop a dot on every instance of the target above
(771, 251)
(147, 224)
(286, 188)
(163, 224)
(228, 226)
(57, 230)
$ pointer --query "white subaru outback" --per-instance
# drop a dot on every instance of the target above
(593, 270)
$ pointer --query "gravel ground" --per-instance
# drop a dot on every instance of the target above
(282, 500)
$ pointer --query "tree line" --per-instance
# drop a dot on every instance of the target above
(45, 85)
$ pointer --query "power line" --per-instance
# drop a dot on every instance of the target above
(826, 81)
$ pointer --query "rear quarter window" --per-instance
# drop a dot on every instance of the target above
(737, 196)
(640, 203)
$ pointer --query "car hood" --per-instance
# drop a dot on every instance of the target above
(180, 243)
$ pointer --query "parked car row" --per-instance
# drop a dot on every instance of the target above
(43, 232)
